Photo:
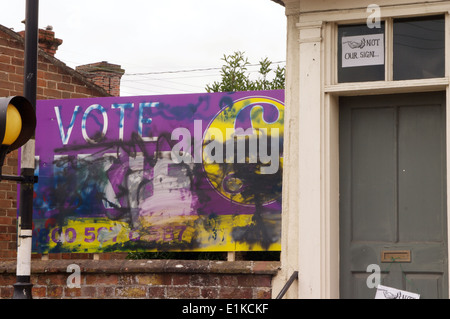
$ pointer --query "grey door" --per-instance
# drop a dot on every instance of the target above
(393, 193)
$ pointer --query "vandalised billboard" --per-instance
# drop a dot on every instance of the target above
(195, 172)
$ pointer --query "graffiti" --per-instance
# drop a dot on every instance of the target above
(197, 172)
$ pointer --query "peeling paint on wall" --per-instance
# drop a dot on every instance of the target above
(196, 172)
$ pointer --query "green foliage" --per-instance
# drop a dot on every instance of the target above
(235, 76)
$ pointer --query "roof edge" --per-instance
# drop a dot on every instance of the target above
(280, 2)
(56, 62)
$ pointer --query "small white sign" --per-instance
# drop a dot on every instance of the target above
(384, 292)
(363, 50)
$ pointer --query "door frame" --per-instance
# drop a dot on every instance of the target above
(310, 237)
(318, 209)
(331, 178)
(329, 225)
(416, 99)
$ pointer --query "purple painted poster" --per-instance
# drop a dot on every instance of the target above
(195, 172)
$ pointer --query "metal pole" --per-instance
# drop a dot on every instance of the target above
(22, 287)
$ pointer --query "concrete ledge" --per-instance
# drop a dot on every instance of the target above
(149, 266)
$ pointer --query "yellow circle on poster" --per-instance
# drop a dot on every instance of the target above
(232, 155)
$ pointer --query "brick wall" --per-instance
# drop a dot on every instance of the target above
(8, 210)
(164, 279)
(54, 81)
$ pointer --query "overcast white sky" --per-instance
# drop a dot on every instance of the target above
(148, 36)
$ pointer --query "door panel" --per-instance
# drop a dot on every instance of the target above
(393, 192)
(428, 284)
(421, 168)
(373, 146)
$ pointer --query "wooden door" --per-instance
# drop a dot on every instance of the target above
(393, 193)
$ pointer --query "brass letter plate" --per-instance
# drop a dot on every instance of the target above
(396, 256)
